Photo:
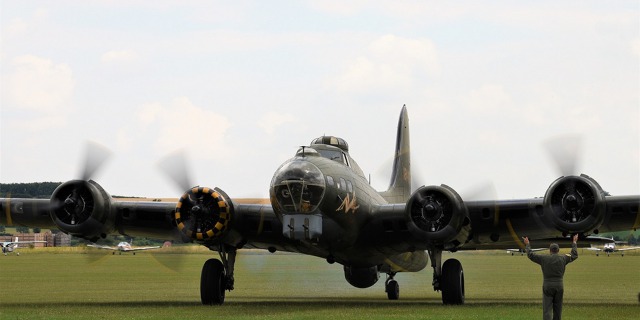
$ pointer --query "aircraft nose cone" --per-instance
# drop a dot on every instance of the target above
(430, 211)
(572, 202)
(297, 187)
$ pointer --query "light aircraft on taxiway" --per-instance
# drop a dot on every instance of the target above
(123, 247)
(322, 204)
(11, 246)
(610, 248)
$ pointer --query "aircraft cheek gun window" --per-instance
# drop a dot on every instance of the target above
(298, 187)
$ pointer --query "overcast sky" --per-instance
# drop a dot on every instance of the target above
(239, 85)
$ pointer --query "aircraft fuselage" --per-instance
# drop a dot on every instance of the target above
(324, 201)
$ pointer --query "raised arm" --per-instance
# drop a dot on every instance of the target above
(532, 256)
(574, 249)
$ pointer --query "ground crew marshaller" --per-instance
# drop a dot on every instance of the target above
(553, 267)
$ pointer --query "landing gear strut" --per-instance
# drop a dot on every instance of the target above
(391, 287)
(217, 276)
(447, 278)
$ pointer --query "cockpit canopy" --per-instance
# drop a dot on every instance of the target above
(332, 141)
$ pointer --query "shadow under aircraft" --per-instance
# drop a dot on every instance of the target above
(321, 204)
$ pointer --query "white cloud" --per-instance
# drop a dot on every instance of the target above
(272, 120)
(124, 140)
(635, 46)
(339, 7)
(391, 63)
(148, 114)
(38, 124)
(19, 27)
(40, 85)
(489, 97)
(16, 27)
(118, 56)
(183, 125)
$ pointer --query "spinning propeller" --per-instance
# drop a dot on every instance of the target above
(575, 202)
(73, 203)
(202, 214)
(565, 151)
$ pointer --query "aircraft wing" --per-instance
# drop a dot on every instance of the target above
(594, 249)
(626, 249)
(102, 247)
(501, 224)
(494, 223)
(141, 248)
(249, 225)
(123, 249)
(21, 242)
(520, 250)
(391, 229)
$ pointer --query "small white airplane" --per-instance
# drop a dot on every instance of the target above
(610, 248)
(522, 251)
(122, 247)
(9, 246)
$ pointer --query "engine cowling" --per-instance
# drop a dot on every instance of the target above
(574, 204)
(361, 277)
(83, 209)
(438, 215)
(203, 214)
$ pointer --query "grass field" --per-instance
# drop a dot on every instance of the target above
(50, 284)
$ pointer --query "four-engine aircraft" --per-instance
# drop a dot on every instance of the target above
(10, 246)
(321, 204)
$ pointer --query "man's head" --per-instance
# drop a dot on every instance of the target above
(554, 248)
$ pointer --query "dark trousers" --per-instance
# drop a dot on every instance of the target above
(552, 301)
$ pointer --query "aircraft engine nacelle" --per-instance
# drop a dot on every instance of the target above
(361, 277)
(438, 215)
(203, 214)
(83, 209)
(574, 204)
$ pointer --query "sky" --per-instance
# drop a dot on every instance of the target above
(238, 86)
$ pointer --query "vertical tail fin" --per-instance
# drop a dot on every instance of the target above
(400, 187)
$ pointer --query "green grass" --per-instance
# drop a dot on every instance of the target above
(63, 284)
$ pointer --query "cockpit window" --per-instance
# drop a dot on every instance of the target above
(334, 155)
(306, 151)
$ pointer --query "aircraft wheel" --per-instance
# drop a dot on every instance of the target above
(452, 282)
(212, 282)
(393, 290)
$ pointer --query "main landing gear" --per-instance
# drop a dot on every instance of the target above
(391, 287)
(217, 276)
(447, 278)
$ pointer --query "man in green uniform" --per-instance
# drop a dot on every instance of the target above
(553, 266)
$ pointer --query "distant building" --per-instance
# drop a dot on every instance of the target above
(52, 240)
(61, 240)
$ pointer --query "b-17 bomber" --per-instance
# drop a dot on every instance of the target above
(322, 204)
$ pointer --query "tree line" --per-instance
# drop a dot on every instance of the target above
(41, 190)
